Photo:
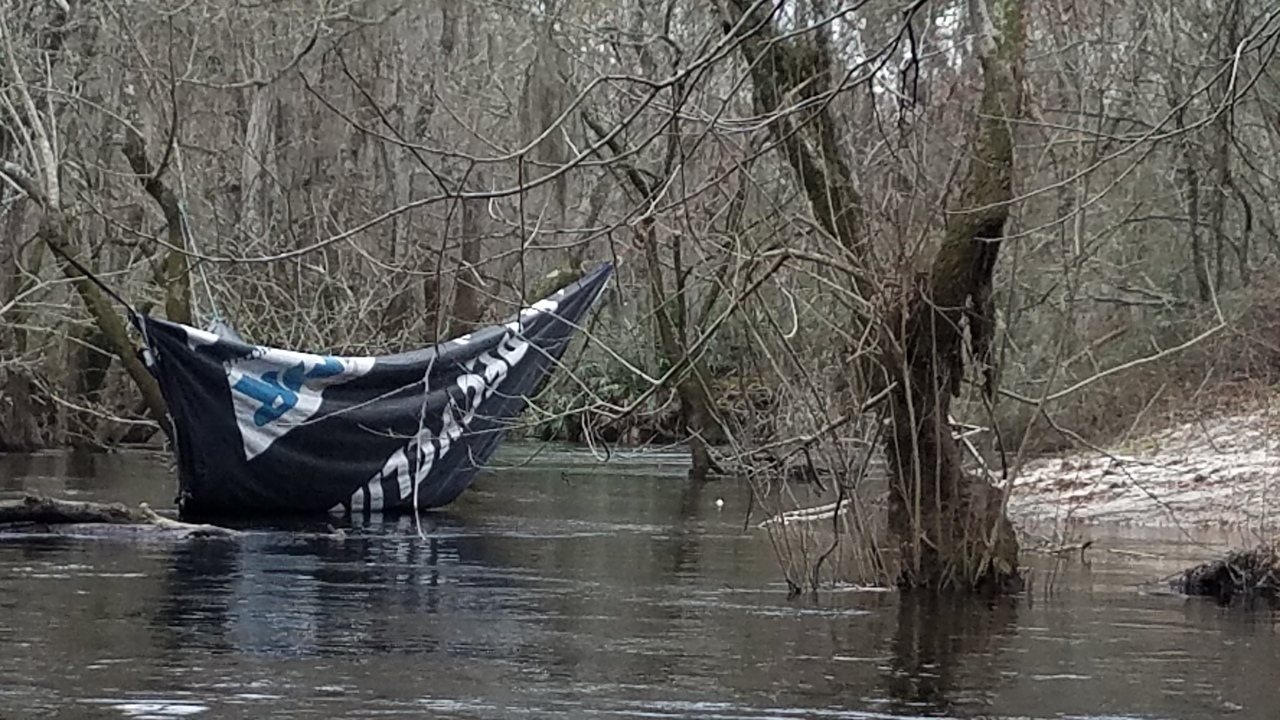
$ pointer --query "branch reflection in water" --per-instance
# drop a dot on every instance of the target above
(946, 652)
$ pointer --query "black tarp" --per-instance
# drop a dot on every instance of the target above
(261, 430)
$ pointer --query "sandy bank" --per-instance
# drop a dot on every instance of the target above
(1211, 473)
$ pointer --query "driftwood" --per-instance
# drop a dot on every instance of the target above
(811, 514)
(1241, 575)
(94, 518)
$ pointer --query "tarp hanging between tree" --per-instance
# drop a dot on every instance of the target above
(261, 430)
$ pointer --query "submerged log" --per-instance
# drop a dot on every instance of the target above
(1241, 575)
(810, 514)
(47, 511)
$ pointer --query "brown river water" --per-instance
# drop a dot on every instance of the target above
(568, 590)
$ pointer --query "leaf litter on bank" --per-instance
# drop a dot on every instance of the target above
(1217, 472)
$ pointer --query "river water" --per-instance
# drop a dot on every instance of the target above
(563, 590)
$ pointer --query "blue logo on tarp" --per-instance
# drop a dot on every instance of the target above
(278, 392)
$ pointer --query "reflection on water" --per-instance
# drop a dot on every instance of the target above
(370, 592)
(934, 640)
(563, 592)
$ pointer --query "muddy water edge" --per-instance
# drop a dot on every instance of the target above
(568, 590)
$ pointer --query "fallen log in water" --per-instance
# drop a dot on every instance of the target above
(97, 518)
(1243, 574)
(811, 514)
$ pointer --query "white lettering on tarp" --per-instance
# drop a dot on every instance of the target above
(546, 305)
(484, 374)
(398, 467)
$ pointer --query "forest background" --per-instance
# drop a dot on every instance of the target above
(774, 179)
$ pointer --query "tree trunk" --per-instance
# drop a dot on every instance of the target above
(467, 309)
(697, 409)
(1223, 132)
(785, 71)
(175, 278)
(18, 428)
(1191, 189)
(254, 171)
(55, 231)
(88, 362)
(950, 524)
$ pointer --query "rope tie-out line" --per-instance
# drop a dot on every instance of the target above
(91, 277)
(190, 239)
(147, 355)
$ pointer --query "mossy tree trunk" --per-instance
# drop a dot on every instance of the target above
(784, 72)
(950, 523)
